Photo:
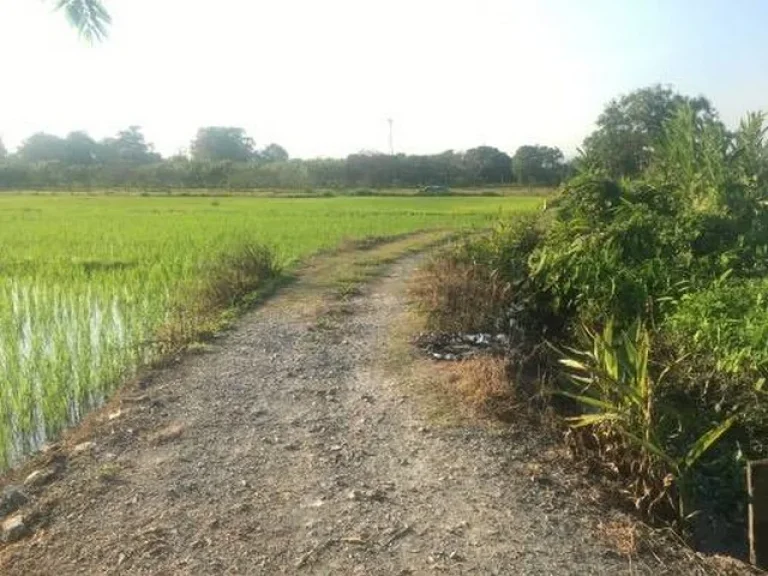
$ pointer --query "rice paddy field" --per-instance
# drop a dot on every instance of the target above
(87, 281)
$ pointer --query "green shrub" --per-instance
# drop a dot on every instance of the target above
(677, 256)
(629, 411)
(609, 253)
(728, 321)
(682, 247)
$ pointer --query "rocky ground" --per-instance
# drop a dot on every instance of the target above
(292, 446)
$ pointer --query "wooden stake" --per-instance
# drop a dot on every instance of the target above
(757, 488)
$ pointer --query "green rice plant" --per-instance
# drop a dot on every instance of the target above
(89, 284)
(630, 421)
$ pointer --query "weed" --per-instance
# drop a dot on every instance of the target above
(348, 289)
(325, 323)
(236, 273)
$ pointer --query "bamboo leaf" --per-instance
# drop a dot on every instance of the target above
(591, 419)
(706, 441)
(590, 401)
(575, 364)
(581, 379)
(652, 448)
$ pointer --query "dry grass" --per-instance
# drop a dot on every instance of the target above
(662, 551)
(483, 384)
(621, 535)
(460, 296)
(455, 296)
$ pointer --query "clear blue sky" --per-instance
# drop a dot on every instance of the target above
(322, 77)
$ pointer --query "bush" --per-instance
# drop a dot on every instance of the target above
(728, 321)
(483, 285)
(656, 287)
(626, 249)
(626, 404)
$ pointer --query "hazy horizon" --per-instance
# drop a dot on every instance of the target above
(322, 79)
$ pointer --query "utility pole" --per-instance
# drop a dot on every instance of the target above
(391, 141)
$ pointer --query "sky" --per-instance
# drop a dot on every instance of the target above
(321, 78)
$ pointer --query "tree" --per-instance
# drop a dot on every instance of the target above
(89, 17)
(274, 153)
(538, 165)
(218, 143)
(369, 168)
(487, 164)
(42, 147)
(79, 148)
(128, 146)
(3, 150)
(631, 127)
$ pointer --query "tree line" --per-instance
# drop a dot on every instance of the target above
(622, 146)
(227, 157)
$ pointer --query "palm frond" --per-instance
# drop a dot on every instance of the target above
(89, 17)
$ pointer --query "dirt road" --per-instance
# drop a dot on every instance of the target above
(290, 448)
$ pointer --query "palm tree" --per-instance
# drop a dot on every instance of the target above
(89, 17)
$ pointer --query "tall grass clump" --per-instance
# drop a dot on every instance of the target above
(225, 283)
(237, 273)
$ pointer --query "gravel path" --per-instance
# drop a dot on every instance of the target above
(288, 449)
